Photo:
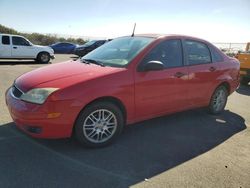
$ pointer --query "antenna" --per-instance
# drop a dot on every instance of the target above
(133, 30)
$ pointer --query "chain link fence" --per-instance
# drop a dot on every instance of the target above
(231, 49)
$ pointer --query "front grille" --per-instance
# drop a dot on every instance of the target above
(16, 92)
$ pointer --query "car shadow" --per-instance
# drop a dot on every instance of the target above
(244, 90)
(20, 62)
(143, 150)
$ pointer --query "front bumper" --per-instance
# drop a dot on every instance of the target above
(52, 56)
(34, 119)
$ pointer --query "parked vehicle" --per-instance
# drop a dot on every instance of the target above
(63, 47)
(88, 47)
(18, 47)
(127, 80)
(244, 58)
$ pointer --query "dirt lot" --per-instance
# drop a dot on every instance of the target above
(187, 149)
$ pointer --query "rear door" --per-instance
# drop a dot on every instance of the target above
(21, 48)
(202, 72)
(159, 92)
(5, 46)
(63, 48)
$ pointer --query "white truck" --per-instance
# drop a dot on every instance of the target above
(18, 47)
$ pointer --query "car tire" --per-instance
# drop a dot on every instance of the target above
(99, 124)
(244, 81)
(218, 100)
(43, 57)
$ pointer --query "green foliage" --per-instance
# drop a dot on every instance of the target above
(41, 39)
(4, 29)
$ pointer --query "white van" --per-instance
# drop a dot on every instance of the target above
(18, 47)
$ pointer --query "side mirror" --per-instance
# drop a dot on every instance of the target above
(153, 66)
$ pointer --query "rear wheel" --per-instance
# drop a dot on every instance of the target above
(43, 57)
(218, 100)
(99, 124)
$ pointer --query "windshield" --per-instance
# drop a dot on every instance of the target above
(119, 52)
(29, 42)
(88, 43)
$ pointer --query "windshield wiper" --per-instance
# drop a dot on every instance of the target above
(93, 61)
(84, 61)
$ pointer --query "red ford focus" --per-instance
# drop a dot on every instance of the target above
(127, 80)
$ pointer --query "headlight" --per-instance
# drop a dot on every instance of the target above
(37, 95)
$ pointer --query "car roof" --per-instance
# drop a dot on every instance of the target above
(11, 35)
(156, 36)
(64, 43)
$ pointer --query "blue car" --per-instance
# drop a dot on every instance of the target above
(63, 47)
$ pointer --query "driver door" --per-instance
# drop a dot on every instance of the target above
(163, 91)
(21, 48)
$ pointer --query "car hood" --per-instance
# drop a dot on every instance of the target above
(39, 46)
(77, 71)
(46, 48)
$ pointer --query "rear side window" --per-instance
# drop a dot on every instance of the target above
(168, 52)
(60, 44)
(216, 56)
(197, 52)
(5, 40)
(20, 41)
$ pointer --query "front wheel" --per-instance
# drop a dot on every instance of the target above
(99, 124)
(43, 57)
(218, 100)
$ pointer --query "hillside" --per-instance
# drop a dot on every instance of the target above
(41, 39)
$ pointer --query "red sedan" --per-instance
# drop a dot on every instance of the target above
(127, 80)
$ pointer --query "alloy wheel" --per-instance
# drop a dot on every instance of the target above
(219, 100)
(99, 126)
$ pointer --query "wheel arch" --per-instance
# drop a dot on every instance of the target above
(226, 85)
(40, 53)
(110, 99)
(223, 83)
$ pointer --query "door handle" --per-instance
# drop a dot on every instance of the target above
(15, 47)
(179, 74)
(212, 69)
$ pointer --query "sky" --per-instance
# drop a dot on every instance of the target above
(213, 20)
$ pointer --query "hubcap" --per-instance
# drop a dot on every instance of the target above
(100, 126)
(44, 57)
(219, 100)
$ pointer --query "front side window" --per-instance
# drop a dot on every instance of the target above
(197, 52)
(119, 52)
(5, 40)
(168, 52)
(19, 41)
